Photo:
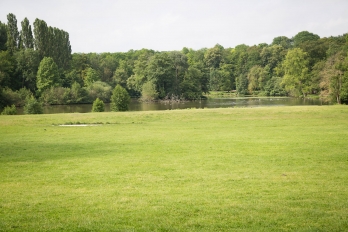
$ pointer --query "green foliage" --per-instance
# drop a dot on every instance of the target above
(99, 90)
(15, 97)
(122, 73)
(52, 42)
(161, 72)
(190, 91)
(12, 33)
(91, 76)
(274, 87)
(32, 106)
(334, 78)
(27, 66)
(55, 96)
(120, 99)
(78, 94)
(296, 79)
(242, 84)
(283, 41)
(304, 36)
(9, 110)
(149, 92)
(7, 70)
(191, 85)
(3, 36)
(214, 56)
(26, 35)
(182, 74)
(98, 106)
(257, 78)
(47, 74)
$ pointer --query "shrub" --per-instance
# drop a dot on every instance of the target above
(55, 96)
(77, 94)
(32, 106)
(98, 106)
(99, 90)
(15, 97)
(9, 110)
(120, 99)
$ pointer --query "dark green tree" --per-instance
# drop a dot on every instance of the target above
(7, 70)
(3, 36)
(283, 41)
(214, 56)
(27, 38)
(27, 66)
(242, 84)
(180, 65)
(122, 73)
(120, 99)
(161, 72)
(41, 41)
(12, 33)
(304, 36)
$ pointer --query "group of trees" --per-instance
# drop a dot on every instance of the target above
(40, 63)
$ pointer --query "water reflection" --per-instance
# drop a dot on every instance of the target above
(210, 103)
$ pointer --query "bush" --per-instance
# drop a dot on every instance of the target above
(274, 87)
(9, 110)
(98, 106)
(99, 90)
(15, 97)
(55, 96)
(120, 99)
(32, 106)
(77, 94)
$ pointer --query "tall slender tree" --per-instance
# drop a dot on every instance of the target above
(3, 36)
(26, 35)
(41, 41)
(12, 33)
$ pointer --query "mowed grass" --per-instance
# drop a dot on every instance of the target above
(245, 169)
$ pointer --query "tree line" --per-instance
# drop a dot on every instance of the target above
(40, 63)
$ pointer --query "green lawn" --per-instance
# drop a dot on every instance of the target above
(239, 169)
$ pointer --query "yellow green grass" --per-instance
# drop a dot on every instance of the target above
(244, 169)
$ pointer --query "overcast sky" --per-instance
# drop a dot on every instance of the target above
(166, 25)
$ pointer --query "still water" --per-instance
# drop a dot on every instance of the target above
(209, 103)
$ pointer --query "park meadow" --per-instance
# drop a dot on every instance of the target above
(232, 169)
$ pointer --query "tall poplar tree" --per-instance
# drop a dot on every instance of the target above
(26, 35)
(12, 33)
(3, 36)
(52, 42)
(41, 41)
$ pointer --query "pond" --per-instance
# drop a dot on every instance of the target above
(209, 103)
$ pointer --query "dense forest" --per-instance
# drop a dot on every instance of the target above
(39, 64)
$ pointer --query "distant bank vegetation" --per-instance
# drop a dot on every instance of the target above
(39, 63)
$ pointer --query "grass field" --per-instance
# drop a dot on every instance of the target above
(239, 169)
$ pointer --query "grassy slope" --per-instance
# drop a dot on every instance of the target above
(255, 169)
